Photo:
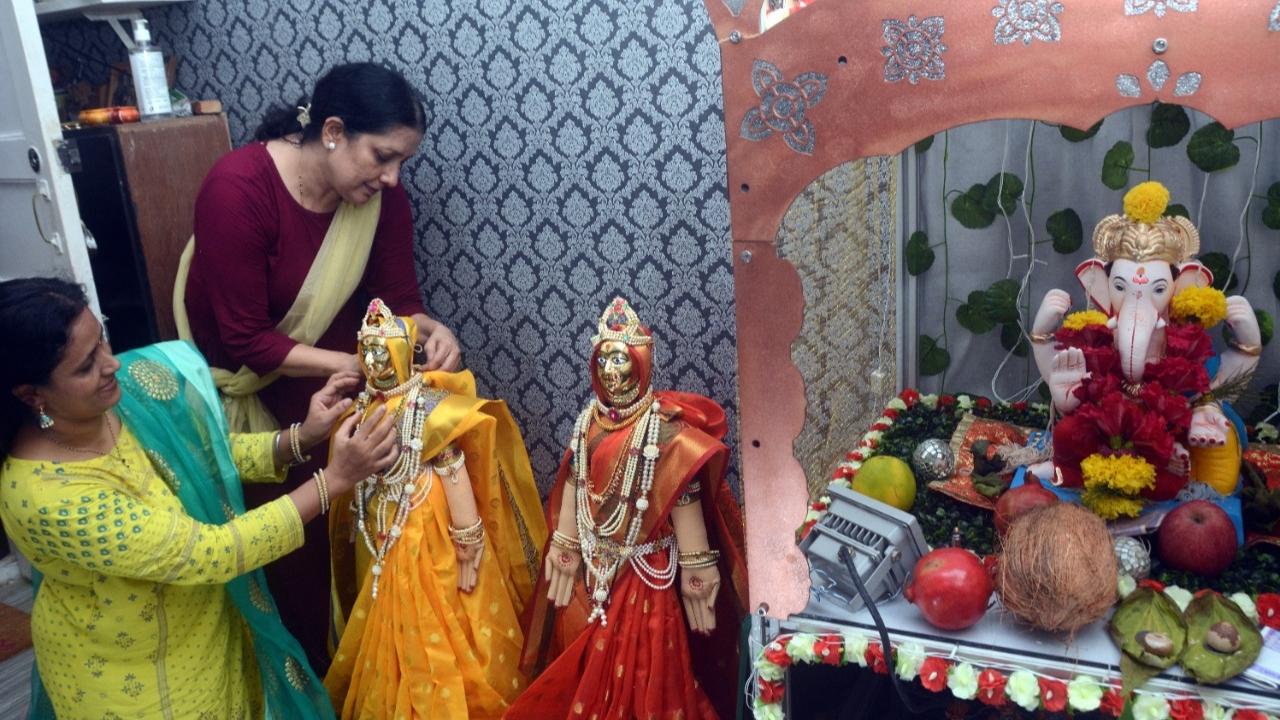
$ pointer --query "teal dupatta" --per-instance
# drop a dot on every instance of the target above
(169, 402)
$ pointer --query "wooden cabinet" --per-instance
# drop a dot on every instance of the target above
(136, 188)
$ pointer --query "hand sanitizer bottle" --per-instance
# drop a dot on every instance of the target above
(149, 82)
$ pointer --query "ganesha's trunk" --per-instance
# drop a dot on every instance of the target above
(1135, 328)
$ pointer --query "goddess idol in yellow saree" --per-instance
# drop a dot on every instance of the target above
(433, 559)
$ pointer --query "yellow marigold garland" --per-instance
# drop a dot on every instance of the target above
(1146, 202)
(1124, 474)
(1109, 505)
(1204, 305)
(1083, 318)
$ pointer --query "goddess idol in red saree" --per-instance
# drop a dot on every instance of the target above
(636, 614)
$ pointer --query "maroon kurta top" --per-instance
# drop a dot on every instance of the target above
(254, 246)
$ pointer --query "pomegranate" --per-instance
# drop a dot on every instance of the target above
(951, 587)
(1017, 501)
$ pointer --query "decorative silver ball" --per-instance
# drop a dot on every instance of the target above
(933, 460)
(1133, 557)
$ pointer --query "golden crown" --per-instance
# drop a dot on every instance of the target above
(381, 322)
(1172, 239)
(619, 322)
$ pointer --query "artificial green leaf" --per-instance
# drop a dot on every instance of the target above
(1212, 148)
(968, 210)
(1011, 339)
(924, 145)
(1178, 210)
(1066, 230)
(1220, 265)
(1205, 664)
(1071, 134)
(919, 254)
(1271, 215)
(1002, 194)
(1273, 193)
(1116, 164)
(1146, 610)
(934, 358)
(1169, 124)
(1001, 301)
(972, 315)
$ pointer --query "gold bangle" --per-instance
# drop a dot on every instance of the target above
(470, 535)
(564, 542)
(694, 559)
(322, 487)
(1040, 338)
(1250, 350)
(295, 444)
(448, 462)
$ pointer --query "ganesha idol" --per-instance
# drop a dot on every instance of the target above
(1136, 385)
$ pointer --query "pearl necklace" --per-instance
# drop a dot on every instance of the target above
(397, 485)
(602, 556)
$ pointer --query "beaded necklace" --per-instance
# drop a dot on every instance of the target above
(398, 485)
(602, 556)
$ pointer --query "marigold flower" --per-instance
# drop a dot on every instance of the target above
(1146, 202)
(1206, 306)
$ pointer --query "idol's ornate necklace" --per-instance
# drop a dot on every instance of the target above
(398, 485)
(602, 556)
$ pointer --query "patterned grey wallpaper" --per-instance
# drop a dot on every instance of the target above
(575, 151)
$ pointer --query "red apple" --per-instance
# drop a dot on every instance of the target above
(1017, 501)
(1197, 537)
(951, 587)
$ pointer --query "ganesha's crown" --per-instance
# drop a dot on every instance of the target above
(619, 322)
(1144, 232)
(380, 321)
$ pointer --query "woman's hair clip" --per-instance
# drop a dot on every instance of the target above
(304, 115)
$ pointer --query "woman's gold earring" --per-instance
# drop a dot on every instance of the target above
(46, 422)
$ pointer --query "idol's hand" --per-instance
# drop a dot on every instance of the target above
(326, 407)
(698, 590)
(469, 565)
(359, 452)
(561, 572)
(442, 350)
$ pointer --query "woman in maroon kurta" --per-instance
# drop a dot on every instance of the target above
(261, 217)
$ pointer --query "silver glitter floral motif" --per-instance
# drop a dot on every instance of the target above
(1158, 74)
(783, 105)
(1128, 85)
(1187, 84)
(1027, 20)
(1274, 23)
(914, 50)
(1139, 7)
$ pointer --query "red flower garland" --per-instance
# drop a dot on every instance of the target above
(829, 649)
(1053, 694)
(1186, 709)
(1112, 702)
(776, 652)
(933, 674)
(991, 688)
(1249, 715)
(874, 655)
(1269, 610)
(771, 692)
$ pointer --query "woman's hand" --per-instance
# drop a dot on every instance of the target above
(561, 571)
(698, 590)
(468, 564)
(441, 348)
(359, 452)
(327, 405)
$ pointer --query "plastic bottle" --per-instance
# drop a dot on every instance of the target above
(149, 82)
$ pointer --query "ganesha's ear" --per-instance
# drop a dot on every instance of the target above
(1192, 274)
(1092, 274)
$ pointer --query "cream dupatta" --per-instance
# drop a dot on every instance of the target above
(333, 277)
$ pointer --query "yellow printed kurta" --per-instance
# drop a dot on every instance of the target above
(132, 619)
(424, 649)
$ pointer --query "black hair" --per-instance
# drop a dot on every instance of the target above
(35, 321)
(367, 97)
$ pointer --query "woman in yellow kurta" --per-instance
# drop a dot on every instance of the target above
(434, 559)
(121, 486)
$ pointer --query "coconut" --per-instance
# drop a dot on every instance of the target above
(1057, 569)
